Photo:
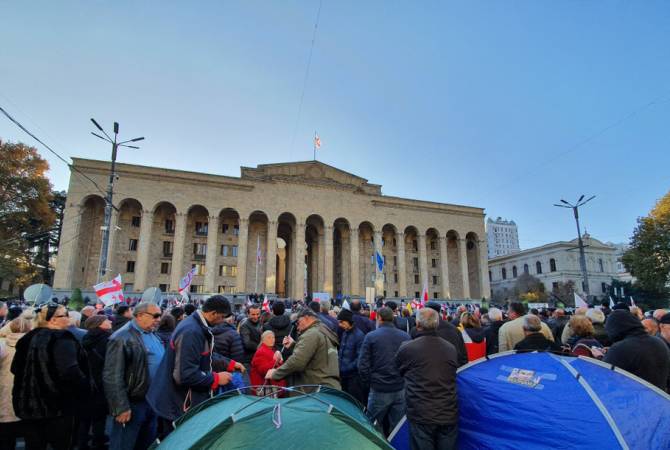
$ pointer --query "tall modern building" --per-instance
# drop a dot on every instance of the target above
(503, 237)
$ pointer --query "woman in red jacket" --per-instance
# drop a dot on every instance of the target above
(264, 359)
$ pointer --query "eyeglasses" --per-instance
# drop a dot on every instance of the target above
(59, 316)
(154, 315)
(51, 310)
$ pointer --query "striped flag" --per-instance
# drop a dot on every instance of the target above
(266, 304)
(185, 283)
(110, 292)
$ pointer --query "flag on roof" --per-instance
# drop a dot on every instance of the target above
(317, 141)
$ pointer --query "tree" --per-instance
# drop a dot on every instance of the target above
(25, 212)
(529, 288)
(77, 301)
(565, 292)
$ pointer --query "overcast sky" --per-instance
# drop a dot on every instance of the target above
(505, 105)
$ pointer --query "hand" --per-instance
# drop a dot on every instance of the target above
(278, 357)
(268, 375)
(288, 341)
(597, 352)
(124, 417)
(240, 367)
(225, 378)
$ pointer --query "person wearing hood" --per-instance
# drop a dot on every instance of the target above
(314, 360)
(351, 341)
(280, 325)
(94, 414)
(635, 351)
(474, 336)
(227, 341)
(11, 427)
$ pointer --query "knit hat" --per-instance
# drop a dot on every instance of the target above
(346, 316)
(94, 321)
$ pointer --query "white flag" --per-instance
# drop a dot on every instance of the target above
(632, 302)
(345, 305)
(611, 303)
(579, 302)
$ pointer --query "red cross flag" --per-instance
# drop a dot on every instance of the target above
(110, 292)
(266, 304)
(317, 141)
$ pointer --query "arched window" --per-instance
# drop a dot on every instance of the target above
(504, 273)
(514, 272)
(525, 269)
(552, 265)
(538, 267)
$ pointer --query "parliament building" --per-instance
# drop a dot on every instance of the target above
(288, 229)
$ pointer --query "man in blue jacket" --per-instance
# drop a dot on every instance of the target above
(351, 341)
(377, 368)
(191, 372)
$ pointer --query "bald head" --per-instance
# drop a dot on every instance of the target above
(650, 326)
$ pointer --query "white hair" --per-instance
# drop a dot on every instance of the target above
(75, 318)
(495, 314)
(427, 319)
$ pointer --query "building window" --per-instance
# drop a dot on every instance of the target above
(233, 250)
(395, 293)
(135, 221)
(167, 248)
(169, 226)
(224, 230)
(199, 251)
(197, 288)
(538, 267)
(224, 250)
(383, 241)
(415, 245)
(514, 272)
(222, 288)
(201, 228)
(395, 277)
(130, 266)
(434, 280)
(163, 287)
(165, 267)
(415, 264)
(434, 294)
(433, 262)
(394, 244)
(236, 230)
(433, 246)
(199, 268)
(416, 279)
(395, 261)
(504, 273)
(525, 269)
(600, 265)
(490, 276)
(554, 286)
(603, 288)
(552, 265)
(132, 245)
(128, 287)
(417, 294)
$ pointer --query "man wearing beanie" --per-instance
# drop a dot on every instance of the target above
(351, 341)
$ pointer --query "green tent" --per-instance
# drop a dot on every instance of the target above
(323, 419)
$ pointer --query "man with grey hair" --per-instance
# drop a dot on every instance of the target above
(428, 364)
(74, 328)
(535, 340)
(492, 329)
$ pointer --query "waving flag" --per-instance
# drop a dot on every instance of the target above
(424, 293)
(345, 305)
(185, 283)
(579, 302)
(611, 303)
(110, 292)
(380, 261)
(632, 302)
(266, 304)
(317, 141)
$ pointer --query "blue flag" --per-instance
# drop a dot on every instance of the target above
(380, 261)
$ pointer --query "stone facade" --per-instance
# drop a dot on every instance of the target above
(246, 234)
(554, 263)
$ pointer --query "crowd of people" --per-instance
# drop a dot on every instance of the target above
(119, 377)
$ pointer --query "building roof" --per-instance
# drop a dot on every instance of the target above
(589, 242)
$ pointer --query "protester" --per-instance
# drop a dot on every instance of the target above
(94, 412)
(534, 339)
(659, 314)
(189, 309)
(86, 312)
(122, 316)
(491, 331)
(314, 360)
(74, 327)
(11, 427)
(567, 331)
(635, 351)
(360, 321)
(49, 382)
(279, 324)
(377, 369)
(583, 342)
(597, 318)
(3, 313)
(474, 336)
(325, 317)
(637, 312)
(428, 364)
(557, 323)
(166, 326)
(448, 332)
(650, 326)
(190, 372)
(178, 313)
(351, 341)
(227, 341)
(250, 330)
(134, 353)
(512, 332)
(265, 358)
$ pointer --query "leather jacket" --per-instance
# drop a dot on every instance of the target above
(126, 373)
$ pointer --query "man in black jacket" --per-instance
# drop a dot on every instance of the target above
(360, 321)
(428, 364)
(449, 333)
(635, 351)
(535, 340)
(133, 355)
(250, 330)
(496, 318)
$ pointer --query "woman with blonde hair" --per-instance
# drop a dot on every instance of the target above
(583, 341)
(49, 382)
(474, 336)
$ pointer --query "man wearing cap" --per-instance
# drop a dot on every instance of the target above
(314, 360)
(351, 341)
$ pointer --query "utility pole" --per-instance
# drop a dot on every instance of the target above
(102, 267)
(582, 256)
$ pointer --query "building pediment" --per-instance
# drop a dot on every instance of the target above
(312, 173)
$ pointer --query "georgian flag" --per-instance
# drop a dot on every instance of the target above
(185, 283)
(266, 304)
(317, 141)
(110, 292)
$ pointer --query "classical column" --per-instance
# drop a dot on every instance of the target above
(299, 262)
(463, 254)
(113, 270)
(178, 251)
(328, 263)
(144, 250)
(271, 258)
(423, 266)
(353, 242)
(484, 283)
(402, 270)
(379, 276)
(69, 244)
(444, 268)
(242, 238)
(212, 252)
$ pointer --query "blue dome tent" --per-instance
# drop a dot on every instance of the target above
(540, 400)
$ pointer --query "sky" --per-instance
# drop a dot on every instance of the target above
(505, 105)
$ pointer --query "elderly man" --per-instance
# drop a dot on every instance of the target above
(314, 359)
(512, 332)
(535, 340)
(650, 326)
(492, 329)
(86, 312)
(659, 313)
(133, 355)
(428, 364)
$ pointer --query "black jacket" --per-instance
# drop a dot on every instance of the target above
(537, 342)
(251, 339)
(50, 377)
(119, 322)
(227, 342)
(280, 326)
(450, 333)
(95, 345)
(635, 351)
(492, 336)
(557, 325)
(376, 363)
(126, 374)
(428, 364)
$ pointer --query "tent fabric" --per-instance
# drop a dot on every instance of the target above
(324, 419)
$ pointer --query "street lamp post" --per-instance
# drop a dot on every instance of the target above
(582, 256)
(102, 267)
